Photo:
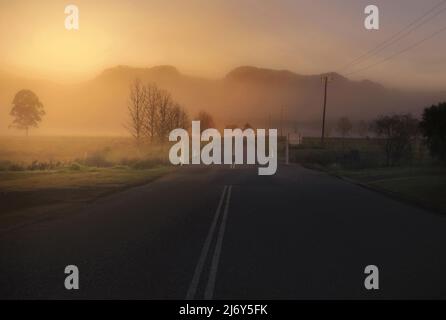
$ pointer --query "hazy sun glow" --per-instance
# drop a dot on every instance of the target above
(209, 37)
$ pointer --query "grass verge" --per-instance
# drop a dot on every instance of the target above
(424, 186)
(24, 189)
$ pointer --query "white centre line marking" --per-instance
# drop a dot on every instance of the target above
(208, 294)
(204, 252)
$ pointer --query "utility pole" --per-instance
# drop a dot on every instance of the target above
(325, 79)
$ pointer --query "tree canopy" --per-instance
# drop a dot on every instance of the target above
(27, 110)
(433, 129)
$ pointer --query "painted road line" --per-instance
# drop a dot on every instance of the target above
(204, 251)
(209, 292)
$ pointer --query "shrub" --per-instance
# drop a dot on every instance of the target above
(41, 165)
(4, 165)
(17, 167)
(97, 159)
(75, 166)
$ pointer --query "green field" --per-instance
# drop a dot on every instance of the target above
(419, 180)
(425, 186)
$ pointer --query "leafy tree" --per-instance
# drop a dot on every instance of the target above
(27, 110)
(433, 128)
(397, 133)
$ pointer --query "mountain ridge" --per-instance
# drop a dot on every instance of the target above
(245, 94)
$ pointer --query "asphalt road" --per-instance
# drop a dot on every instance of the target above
(227, 233)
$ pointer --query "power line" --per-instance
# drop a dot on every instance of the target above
(416, 44)
(417, 23)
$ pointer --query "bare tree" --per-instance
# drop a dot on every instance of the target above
(184, 121)
(164, 110)
(153, 98)
(136, 110)
(206, 120)
(153, 113)
(173, 117)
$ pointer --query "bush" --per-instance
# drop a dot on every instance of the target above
(148, 163)
(40, 165)
(97, 159)
(17, 167)
(4, 165)
(75, 166)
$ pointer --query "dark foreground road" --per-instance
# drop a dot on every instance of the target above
(227, 233)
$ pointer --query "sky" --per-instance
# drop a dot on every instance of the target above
(210, 37)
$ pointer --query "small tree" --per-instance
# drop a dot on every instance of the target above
(397, 133)
(433, 129)
(27, 110)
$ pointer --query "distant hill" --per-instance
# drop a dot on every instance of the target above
(245, 94)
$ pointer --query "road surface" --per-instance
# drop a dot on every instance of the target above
(226, 233)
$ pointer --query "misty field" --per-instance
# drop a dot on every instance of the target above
(37, 171)
(59, 151)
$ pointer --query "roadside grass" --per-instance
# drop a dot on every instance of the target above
(24, 189)
(78, 178)
(44, 170)
(420, 180)
(21, 153)
(423, 185)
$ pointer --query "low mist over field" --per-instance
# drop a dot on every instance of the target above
(245, 94)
